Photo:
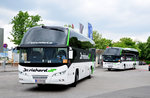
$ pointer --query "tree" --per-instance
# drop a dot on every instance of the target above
(125, 43)
(21, 23)
(147, 49)
(142, 48)
(101, 43)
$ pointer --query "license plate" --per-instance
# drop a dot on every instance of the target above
(39, 81)
(109, 64)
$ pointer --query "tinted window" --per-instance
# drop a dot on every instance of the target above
(43, 55)
(74, 42)
(41, 35)
(112, 51)
(108, 58)
(79, 41)
(127, 57)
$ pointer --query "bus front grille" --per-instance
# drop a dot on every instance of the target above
(40, 77)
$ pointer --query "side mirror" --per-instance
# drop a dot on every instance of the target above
(71, 54)
(121, 58)
(17, 48)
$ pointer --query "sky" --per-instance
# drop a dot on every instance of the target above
(113, 19)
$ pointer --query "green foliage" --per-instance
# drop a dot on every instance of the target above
(144, 50)
(86, 45)
(125, 43)
(147, 62)
(141, 47)
(147, 47)
(21, 23)
(101, 43)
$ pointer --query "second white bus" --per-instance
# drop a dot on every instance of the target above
(120, 58)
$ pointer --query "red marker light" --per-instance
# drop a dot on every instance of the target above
(72, 26)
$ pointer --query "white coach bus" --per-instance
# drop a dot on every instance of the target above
(120, 58)
(55, 55)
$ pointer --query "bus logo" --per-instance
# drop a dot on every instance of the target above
(52, 70)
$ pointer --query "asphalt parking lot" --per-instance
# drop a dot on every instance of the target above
(103, 84)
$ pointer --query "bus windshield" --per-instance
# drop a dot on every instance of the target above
(112, 51)
(45, 36)
(111, 58)
(42, 55)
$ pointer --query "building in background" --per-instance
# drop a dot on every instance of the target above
(99, 59)
(1, 39)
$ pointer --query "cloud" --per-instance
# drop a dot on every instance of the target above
(113, 18)
(9, 14)
(6, 14)
(112, 15)
(116, 36)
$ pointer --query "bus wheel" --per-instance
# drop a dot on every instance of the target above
(134, 66)
(76, 79)
(40, 85)
(124, 67)
(109, 69)
(149, 68)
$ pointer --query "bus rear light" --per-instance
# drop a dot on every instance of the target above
(65, 61)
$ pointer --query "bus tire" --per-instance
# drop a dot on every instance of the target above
(134, 66)
(40, 85)
(124, 67)
(109, 69)
(76, 79)
(149, 68)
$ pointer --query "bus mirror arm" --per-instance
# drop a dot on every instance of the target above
(17, 48)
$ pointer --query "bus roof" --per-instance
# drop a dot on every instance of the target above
(117, 51)
(128, 49)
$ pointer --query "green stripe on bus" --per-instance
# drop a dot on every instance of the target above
(93, 64)
(120, 51)
(51, 70)
(68, 36)
(92, 70)
(89, 55)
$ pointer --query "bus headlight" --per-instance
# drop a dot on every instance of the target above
(59, 73)
(22, 73)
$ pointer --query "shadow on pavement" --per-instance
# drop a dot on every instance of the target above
(54, 88)
(119, 70)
